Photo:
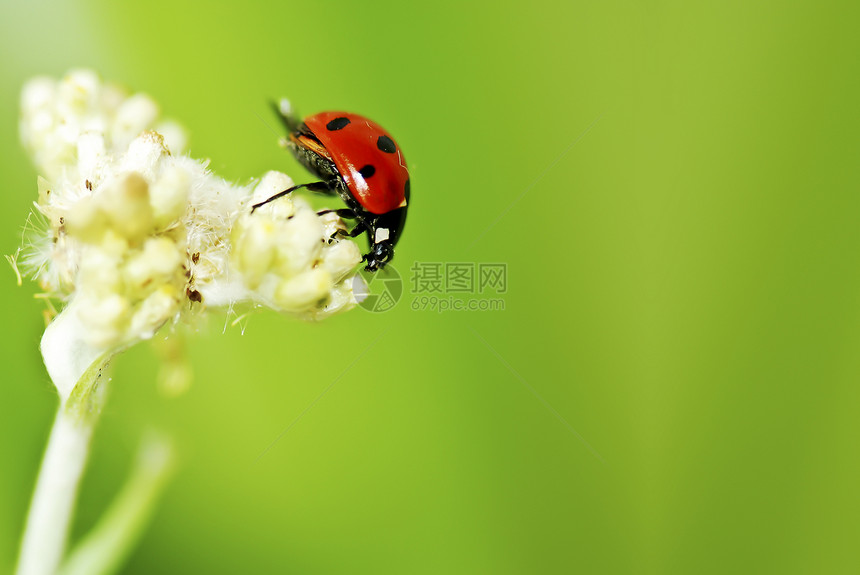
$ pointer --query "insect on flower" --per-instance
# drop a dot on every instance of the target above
(356, 159)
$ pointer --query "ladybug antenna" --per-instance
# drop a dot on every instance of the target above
(284, 110)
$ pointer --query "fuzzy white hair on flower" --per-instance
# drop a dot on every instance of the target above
(138, 234)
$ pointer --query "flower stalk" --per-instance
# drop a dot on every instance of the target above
(107, 545)
(76, 368)
(53, 502)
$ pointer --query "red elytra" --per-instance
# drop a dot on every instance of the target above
(354, 146)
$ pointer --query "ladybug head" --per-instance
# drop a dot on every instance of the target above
(383, 232)
(380, 254)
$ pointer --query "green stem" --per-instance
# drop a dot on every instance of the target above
(107, 545)
(54, 498)
(75, 368)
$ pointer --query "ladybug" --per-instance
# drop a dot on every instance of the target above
(356, 159)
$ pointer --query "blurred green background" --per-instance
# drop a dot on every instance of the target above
(683, 291)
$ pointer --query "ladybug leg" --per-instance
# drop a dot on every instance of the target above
(344, 213)
(330, 189)
(313, 186)
(357, 230)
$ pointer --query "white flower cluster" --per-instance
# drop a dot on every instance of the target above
(138, 235)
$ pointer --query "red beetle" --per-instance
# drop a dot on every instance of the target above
(357, 159)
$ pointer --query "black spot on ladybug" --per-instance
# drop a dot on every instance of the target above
(407, 189)
(367, 171)
(386, 144)
(337, 124)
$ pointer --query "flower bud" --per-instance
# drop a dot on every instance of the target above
(304, 291)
